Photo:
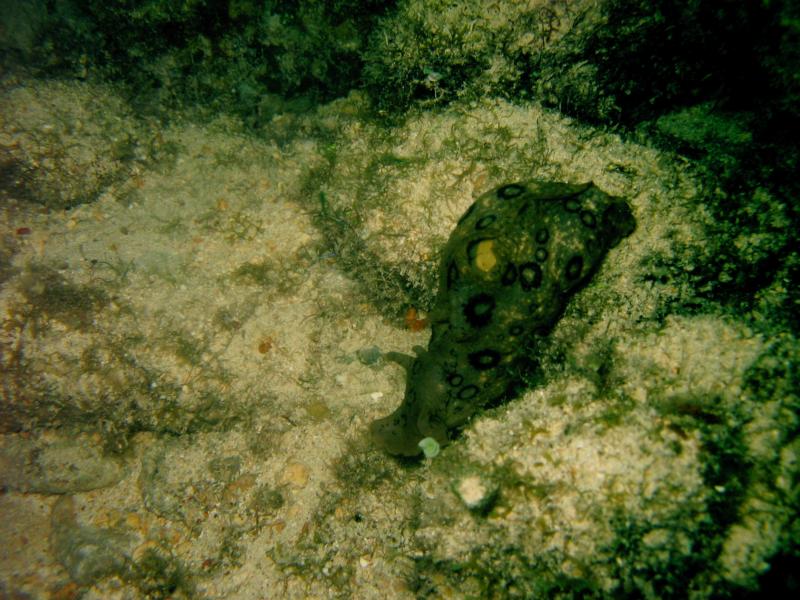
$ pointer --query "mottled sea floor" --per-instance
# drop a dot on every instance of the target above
(192, 319)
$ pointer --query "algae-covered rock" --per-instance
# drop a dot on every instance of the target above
(392, 196)
(87, 553)
(437, 52)
(179, 484)
(606, 61)
(20, 24)
(211, 330)
(589, 475)
(94, 326)
(53, 464)
(105, 558)
(251, 57)
(220, 324)
(64, 143)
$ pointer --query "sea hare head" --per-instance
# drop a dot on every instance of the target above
(401, 432)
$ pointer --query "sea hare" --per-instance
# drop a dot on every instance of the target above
(508, 270)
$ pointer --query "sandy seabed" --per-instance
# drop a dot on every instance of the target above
(192, 321)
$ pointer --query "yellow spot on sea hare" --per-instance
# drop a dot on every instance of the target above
(485, 259)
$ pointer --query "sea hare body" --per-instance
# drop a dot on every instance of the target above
(508, 270)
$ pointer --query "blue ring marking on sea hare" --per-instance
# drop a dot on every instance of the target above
(471, 360)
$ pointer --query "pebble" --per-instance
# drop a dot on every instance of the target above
(295, 474)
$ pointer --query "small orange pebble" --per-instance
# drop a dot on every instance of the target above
(296, 474)
(414, 320)
(264, 345)
(222, 204)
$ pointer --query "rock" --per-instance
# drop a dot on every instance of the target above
(56, 466)
(89, 554)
